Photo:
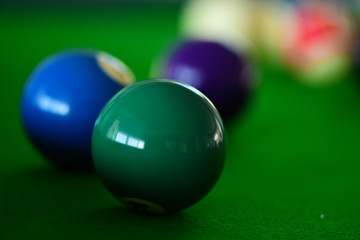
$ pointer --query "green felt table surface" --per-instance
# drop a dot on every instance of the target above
(293, 156)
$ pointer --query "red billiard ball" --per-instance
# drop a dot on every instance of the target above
(317, 40)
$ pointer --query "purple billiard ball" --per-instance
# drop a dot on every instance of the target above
(217, 71)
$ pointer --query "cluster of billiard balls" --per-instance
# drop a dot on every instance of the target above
(311, 40)
(159, 145)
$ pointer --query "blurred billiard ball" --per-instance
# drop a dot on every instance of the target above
(317, 40)
(225, 21)
(62, 99)
(217, 71)
(159, 146)
(265, 28)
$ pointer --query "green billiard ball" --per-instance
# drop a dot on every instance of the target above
(159, 146)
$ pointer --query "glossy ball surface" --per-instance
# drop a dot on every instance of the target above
(159, 146)
(215, 70)
(62, 99)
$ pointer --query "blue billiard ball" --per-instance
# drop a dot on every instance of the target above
(62, 99)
